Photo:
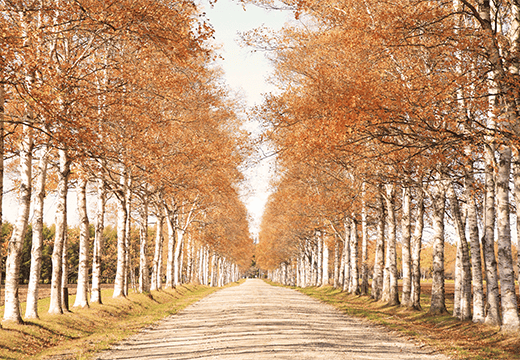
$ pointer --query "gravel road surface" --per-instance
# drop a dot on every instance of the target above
(259, 321)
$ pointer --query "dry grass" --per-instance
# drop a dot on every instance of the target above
(457, 339)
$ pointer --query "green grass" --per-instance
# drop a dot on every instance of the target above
(455, 338)
(83, 332)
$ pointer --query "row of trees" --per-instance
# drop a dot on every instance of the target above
(391, 116)
(121, 100)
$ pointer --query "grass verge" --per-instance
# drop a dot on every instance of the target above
(455, 338)
(83, 332)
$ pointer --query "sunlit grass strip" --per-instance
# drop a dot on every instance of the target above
(457, 339)
(82, 332)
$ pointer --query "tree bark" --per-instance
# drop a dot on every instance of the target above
(55, 306)
(438, 300)
(95, 296)
(416, 245)
(354, 245)
(336, 262)
(144, 278)
(462, 307)
(119, 283)
(325, 271)
(128, 270)
(377, 281)
(346, 253)
(84, 239)
(391, 250)
(31, 310)
(15, 246)
(510, 319)
(493, 306)
(170, 222)
(476, 263)
(319, 258)
(364, 245)
(157, 263)
(406, 228)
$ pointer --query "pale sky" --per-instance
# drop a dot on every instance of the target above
(245, 73)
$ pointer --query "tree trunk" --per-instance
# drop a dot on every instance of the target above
(462, 307)
(346, 253)
(156, 269)
(128, 270)
(364, 245)
(416, 245)
(391, 254)
(119, 283)
(336, 263)
(476, 264)
(55, 306)
(144, 278)
(377, 280)
(438, 301)
(354, 245)
(170, 222)
(406, 225)
(15, 246)
(65, 271)
(31, 310)
(493, 306)
(84, 239)
(510, 319)
(95, 296)
(319, 258)
(516, 180)
(325, 265)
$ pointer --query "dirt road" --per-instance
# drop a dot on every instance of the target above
(259, 321)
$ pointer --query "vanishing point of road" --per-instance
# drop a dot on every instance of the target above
(259, 321)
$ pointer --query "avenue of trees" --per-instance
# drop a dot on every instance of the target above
(122, 103)
(391, 120)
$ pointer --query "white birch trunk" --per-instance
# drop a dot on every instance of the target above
(177, 267)
(438, 301)
(156, 269)
(336, 262)
(170, 222)
(319, 259)
(119, 283)
(15, 246)
(493, 305)
(510, 319)
(416, 245)
(128, 271)
(473, 233)
(462, 306)
(99, 243)
(31, 310)
(325, 271)
(391, 250)
(65, 272)
(354, 270)
(84, 239)
(55, 306)
(346, 253)
(377, 281)
(213, 275)
(364, 244)
(406, 224)
(144, 278)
